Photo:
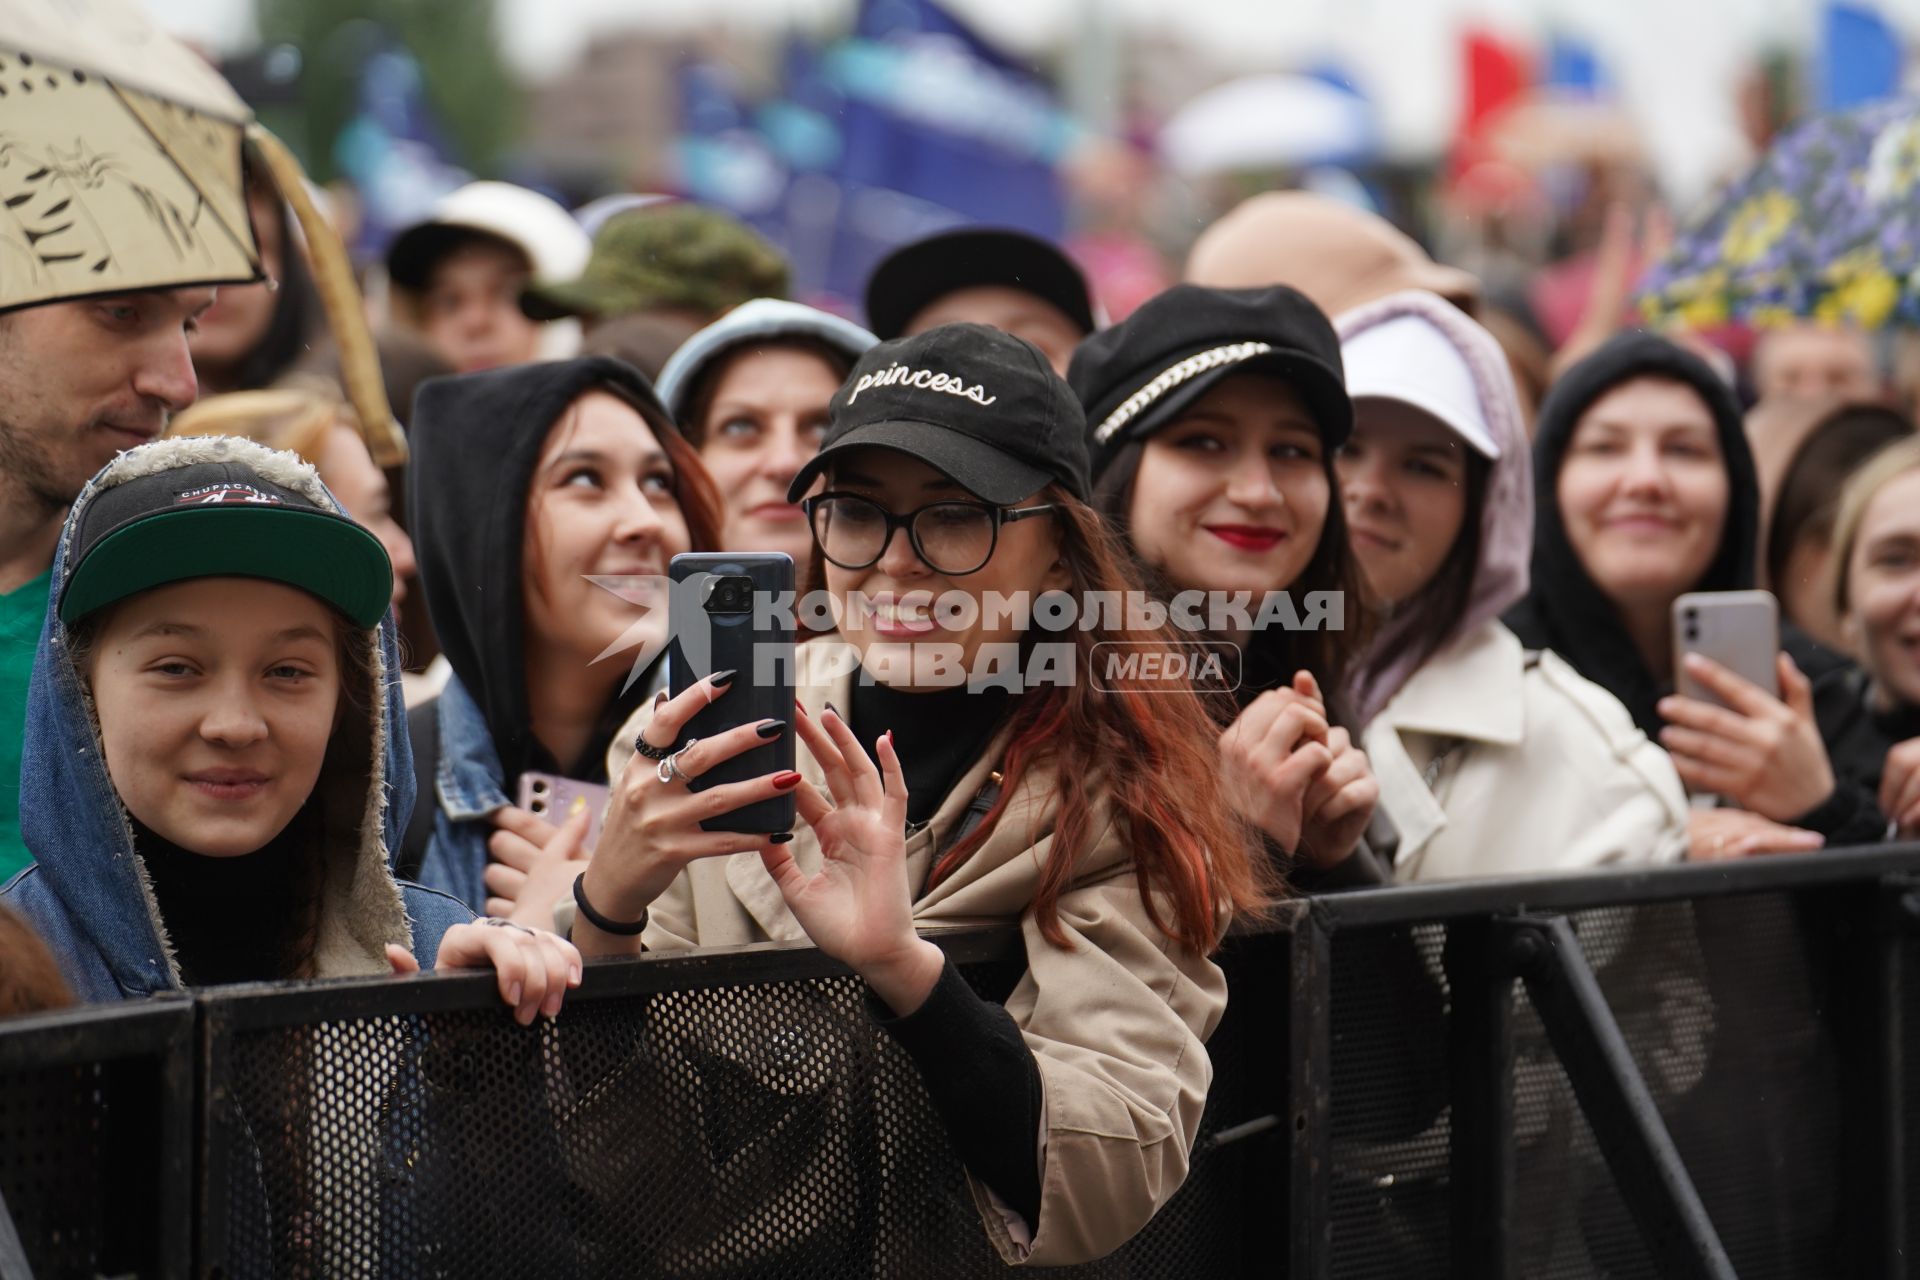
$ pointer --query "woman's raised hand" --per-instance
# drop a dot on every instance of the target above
(652, 831)
(532, 864)
(1761, 752)
(1900, 788)
(858, 907)
(1272, 755)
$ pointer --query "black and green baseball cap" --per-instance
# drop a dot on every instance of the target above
(216, 520)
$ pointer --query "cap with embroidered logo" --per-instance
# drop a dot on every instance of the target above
(218, 520)
(1137, 376)
(981, 407)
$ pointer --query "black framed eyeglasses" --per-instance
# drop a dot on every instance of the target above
(953, 537)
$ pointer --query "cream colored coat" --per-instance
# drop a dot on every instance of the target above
(1118, 1023)
(1546, 771)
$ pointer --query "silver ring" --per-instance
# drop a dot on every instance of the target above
(668, 770)
(497, 923)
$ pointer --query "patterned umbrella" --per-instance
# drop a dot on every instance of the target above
(120, 169)
(119, 158)
(1826, 226)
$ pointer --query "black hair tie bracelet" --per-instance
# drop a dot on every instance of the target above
(599, 921)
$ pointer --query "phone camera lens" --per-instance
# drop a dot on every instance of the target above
(730, 594)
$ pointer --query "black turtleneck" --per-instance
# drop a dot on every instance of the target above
(938, 734)
(979, 1072)
(230, 919)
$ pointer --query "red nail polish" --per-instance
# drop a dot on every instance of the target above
(786, 781)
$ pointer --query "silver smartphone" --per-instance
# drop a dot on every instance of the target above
(1740, 630)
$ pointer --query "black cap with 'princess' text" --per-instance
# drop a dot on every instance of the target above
(979, 406)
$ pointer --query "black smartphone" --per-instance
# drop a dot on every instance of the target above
(734, 611)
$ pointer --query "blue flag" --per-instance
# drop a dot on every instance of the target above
(1860, 57)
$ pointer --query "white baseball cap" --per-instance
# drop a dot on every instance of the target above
(1409, 359)
(555, 246)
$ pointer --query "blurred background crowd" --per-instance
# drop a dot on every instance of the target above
(1496, 134)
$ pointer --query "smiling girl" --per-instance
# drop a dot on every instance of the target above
(1214, 417)
(1091, 816)
(1645, 489)
(526, 485)
(211, 744)
(1870, 715)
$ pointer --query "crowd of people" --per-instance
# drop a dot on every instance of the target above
(277, 703)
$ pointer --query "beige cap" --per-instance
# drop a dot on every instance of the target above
(1337, 255)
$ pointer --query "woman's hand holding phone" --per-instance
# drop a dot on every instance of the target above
(651, 831)
(858, 907)
(1761, 752)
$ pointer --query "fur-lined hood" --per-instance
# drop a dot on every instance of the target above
(89, 894)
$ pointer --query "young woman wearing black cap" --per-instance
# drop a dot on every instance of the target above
(954, 466)
(1214, 415)
(211, 759)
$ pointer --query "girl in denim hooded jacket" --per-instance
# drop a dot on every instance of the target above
(211, 762)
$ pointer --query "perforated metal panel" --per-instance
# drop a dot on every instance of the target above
(770, 1130)
(1392, 1126)
(51, 1166)
(1725, 1010)
(96, 1138)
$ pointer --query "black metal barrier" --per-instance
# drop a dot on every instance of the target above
(1700, 1071)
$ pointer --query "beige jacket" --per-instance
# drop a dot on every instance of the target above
(1538, 768)
(1118, 1023)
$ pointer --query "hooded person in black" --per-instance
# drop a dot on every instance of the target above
(484, 444)
(1568, 612)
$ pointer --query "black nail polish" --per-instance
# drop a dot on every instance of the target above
(721, 679)
(836, 711)
(780, 837)
(772, 729)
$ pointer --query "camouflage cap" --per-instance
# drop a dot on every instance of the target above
(679, 255)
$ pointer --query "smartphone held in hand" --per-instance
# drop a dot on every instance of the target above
(1740, 630)
(555, 800)
(733, 612)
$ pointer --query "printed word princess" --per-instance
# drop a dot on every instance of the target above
(900, 375)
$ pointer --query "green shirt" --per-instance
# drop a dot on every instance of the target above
(21, 614)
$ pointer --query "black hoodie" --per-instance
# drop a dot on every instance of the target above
(1565, 611)
(476, 440)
